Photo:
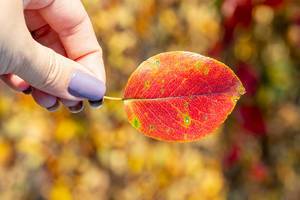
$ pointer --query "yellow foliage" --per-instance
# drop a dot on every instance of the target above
(60, 192)
(66, 130)
(5, 152)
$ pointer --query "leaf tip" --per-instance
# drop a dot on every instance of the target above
(240, 90)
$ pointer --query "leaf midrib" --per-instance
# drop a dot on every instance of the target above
(184, 96)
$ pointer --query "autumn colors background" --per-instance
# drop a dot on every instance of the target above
(98, 155)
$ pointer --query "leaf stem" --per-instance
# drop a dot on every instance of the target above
(113, 98)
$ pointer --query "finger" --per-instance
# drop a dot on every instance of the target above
(70, 20)
(34, 20)
(15, 83)
(46, 36)
(43, 34)
(77, 108)
(41, 98)
(69, 103)
(49, 102)
(57, 75)
(96, 104)
(36, 4)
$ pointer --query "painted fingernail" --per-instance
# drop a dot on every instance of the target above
(96, 104)
(76, 109)
(83, 85)
(54, 107)
(28, 91)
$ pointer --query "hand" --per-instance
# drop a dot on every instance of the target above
(49, 47)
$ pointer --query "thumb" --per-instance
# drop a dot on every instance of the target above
(57, 75)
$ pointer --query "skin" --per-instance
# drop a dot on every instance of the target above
(42, 43)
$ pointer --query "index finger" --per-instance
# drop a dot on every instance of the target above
(70, 20)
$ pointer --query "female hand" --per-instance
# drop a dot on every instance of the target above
(49, 47)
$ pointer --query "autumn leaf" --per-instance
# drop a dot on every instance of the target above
(180, 96)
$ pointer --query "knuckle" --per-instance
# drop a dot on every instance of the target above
(53, 71)
(74, 26)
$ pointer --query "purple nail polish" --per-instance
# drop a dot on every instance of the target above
(54, 107)
(83, 85)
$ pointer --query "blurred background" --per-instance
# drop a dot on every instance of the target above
(97, 155)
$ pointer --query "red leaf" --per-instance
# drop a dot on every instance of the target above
(180, 96)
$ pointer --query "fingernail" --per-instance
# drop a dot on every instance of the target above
(69, 103)
(96, 104)
(54, 107)
(76, 109)
(83, 85)
(28, 91)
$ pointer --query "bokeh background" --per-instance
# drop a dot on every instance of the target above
(96, 155)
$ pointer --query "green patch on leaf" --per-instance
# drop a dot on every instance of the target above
(198, 65)
(136, 123)
(157, 62)
(186, 120)
(201, 67)
(241, 90)
(205, 70)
